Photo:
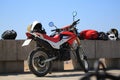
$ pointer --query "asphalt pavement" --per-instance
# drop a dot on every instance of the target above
(67, 75)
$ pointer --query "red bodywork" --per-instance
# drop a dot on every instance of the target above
(71, 35)
(57, 37)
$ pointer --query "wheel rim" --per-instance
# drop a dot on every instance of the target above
(38, 64)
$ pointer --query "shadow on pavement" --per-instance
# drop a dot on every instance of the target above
(65, 75)
(22, 73)
(69, 74)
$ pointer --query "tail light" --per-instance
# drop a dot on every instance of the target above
(29, 36)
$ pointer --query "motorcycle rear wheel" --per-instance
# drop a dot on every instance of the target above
(82, 59)
(36, 64)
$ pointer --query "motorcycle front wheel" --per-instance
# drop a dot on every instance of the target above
(36, 64)
(82, 59)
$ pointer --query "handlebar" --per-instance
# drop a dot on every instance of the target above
(73, 24)
(57, 30)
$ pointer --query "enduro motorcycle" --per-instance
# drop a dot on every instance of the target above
(54, 48)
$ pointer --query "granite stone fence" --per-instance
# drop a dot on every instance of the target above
(13, 55)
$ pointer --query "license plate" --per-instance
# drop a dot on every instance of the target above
(26, 42)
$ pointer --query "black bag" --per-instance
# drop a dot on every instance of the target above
(9, 34)
(102, 36)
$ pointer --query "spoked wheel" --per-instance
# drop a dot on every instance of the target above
(36, 62)
(82, 59)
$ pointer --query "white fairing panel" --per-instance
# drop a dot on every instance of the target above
(57, 45)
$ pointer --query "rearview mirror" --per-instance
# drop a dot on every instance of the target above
(74, 13)
(51, 24)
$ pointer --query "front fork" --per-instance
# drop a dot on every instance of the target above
(81, 50)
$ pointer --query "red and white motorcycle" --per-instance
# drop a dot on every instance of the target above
(52, 48)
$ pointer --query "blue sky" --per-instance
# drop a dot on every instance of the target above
(100, 15)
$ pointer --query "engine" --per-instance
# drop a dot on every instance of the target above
(64, 52)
